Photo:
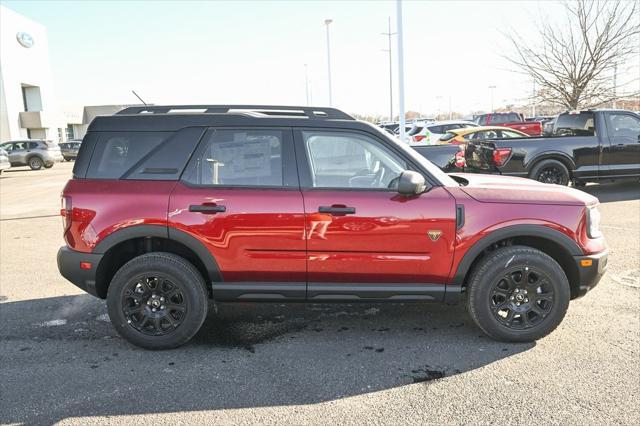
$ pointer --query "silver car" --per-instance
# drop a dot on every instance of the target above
(33, 153)
(70, 149)
(4, 160)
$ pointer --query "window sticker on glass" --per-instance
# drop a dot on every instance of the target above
(238, 160)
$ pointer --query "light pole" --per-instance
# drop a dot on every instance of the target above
(492, 88)
(400, 71)
(327, 22)
(389, 34)
(533, 100)
(306, 83)
(615, 85)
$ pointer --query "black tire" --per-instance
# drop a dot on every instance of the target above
(550, 171)
(35, 163)
(546, 296)
(132, 288)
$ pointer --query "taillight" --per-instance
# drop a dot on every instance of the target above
(460, 161)
(501, 155)
(65, 212)
(418, 138)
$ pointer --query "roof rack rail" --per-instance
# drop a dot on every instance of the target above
(313, 113)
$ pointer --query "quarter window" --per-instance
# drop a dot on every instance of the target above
(238, 158)
(350, 160)
(581, 124)
(116, 153)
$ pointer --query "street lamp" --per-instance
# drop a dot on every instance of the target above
(389, 34)
(492, 88)
(327, 22)
(400, 70)
(438, 99)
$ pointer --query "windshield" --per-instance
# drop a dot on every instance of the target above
(415, 130)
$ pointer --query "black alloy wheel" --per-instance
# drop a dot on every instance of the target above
(551, 174)
(518, 294)
(157, 300)
(551, 171)
(521, 298)
(154, 305)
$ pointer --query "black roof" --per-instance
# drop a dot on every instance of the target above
(175, 117)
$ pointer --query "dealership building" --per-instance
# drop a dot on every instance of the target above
(28, 107)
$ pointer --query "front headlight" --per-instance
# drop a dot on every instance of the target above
(593, 223)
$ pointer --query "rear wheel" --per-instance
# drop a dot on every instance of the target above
(518, 294)
(35, 163)
(157, 301)
(550, 171)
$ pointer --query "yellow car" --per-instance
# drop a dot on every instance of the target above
(460, 136)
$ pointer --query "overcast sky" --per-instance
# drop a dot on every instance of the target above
(255, 51)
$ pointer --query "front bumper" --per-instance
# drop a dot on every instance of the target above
(69, 267)
(591, 268)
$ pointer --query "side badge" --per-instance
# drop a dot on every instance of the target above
(434, 234)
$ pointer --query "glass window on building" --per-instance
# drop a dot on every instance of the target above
(69, 132)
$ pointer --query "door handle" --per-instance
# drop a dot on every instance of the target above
(337, 210)
(207, 209)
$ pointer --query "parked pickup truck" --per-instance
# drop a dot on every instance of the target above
(510, 119)
(585, 146)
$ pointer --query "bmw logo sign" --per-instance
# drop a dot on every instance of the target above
(24, 39)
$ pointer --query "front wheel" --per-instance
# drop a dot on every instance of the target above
(551, 171)
(157, 301)
(518, 294)
(36, 163)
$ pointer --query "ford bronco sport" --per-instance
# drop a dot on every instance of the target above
(172, 206)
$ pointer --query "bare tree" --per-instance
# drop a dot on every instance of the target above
(574, 64)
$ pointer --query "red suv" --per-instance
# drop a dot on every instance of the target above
(170, 207)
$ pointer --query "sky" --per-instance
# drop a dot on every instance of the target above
(254, 52)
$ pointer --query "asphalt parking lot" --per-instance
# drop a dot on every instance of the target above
(61, 361)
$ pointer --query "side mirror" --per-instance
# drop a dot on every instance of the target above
(411, 183)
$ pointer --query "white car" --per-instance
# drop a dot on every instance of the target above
(4, 160)
(429, 133)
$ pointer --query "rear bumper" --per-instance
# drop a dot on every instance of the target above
(56, 157)
(590, 275)
(69, 267)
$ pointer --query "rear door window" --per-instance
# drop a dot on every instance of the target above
(238, 157)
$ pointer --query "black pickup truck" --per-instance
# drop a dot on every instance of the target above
(585, 146)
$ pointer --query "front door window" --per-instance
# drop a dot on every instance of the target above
(350, 161)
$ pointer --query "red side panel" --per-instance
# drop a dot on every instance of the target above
(386, 240)
(114, 204)
(260, 236)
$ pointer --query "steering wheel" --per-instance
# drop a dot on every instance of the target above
(377, 180)
(394, 183)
